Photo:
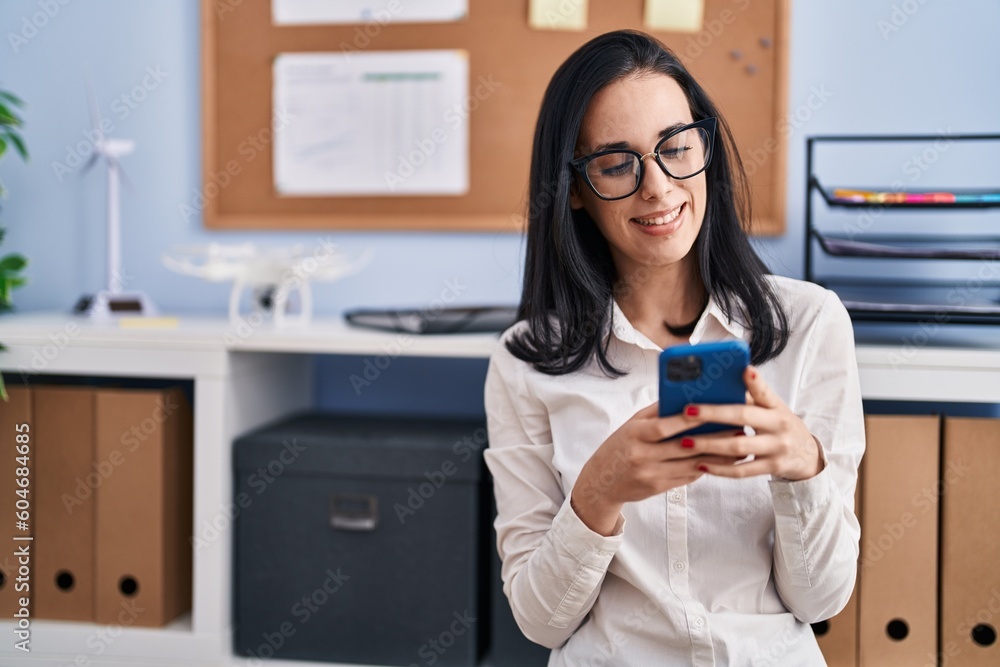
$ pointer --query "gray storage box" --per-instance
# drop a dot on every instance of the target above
(358, 540)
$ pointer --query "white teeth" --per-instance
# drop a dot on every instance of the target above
(663, 220)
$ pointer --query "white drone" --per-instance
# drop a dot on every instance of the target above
(272, 273)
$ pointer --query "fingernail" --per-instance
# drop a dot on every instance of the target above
(691, 411)
(753, 375)
(687, 442)
(703, 468)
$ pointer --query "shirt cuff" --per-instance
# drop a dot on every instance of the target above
(588, 547)
(792, 498)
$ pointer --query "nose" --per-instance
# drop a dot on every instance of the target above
(655, 181)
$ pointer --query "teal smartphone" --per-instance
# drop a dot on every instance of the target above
(703, 373)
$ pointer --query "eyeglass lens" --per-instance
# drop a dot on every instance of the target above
(617, 174)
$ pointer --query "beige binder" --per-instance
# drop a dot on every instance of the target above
(15, 420)
(65, 486)
(144, 509)
(970, 543)
(897, 605)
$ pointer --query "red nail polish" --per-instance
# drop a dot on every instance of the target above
(691, 411)
(739, 433)
(687, 442)
(703, 468)
(753, 375)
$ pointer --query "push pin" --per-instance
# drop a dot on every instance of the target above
(751, 69)
(736, 54)
(765, 42)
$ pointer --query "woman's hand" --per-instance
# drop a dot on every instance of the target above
(782, 445)
(633, 464)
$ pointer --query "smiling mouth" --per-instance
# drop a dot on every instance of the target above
(659, 220)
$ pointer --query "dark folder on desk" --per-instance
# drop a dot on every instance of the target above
(897, 602)
(478, 319)
(13, 414)
(63, 578)
(144, 508)
(970, 542)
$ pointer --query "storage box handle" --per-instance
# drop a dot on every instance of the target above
(353, 511)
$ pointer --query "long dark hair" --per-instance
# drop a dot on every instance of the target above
(569, 275)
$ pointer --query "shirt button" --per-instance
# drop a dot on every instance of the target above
(675, 496)
(679, 566)
(785, 495)
(699, 623)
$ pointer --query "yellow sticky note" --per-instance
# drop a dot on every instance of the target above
(558, 14)
(129, 322)
(674, 15)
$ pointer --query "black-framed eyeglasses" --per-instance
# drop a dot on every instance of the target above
(617, 173)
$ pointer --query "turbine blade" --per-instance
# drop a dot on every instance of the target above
(90, 163)
(95, 110)
(126, 181)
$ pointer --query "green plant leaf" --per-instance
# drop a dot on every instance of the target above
(3, 232)
(12, 98)
(18, 282)
(3, 146)
(7, 117)
(19, 145)
(14, 262)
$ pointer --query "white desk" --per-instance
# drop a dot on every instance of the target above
(244, 378)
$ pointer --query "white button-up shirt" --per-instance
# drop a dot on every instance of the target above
(717, 572)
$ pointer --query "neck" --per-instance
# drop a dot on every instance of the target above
(671, 296)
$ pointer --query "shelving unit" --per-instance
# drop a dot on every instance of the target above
(877, 298)
(241, 382)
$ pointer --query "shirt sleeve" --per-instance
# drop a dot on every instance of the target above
(553, 564)
(817, 533)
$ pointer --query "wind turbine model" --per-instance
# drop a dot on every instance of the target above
(113, 301)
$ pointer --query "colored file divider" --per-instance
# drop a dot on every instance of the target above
(879, 197)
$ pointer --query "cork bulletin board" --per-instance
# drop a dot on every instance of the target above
(740, 57)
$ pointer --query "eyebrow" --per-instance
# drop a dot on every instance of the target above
(622, 145)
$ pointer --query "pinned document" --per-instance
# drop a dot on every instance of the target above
(558, 14)
(378, 123)
(381, 12)
(674, 15)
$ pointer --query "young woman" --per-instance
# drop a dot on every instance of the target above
(622, 543)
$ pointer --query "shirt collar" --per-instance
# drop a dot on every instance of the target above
(712, 316)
